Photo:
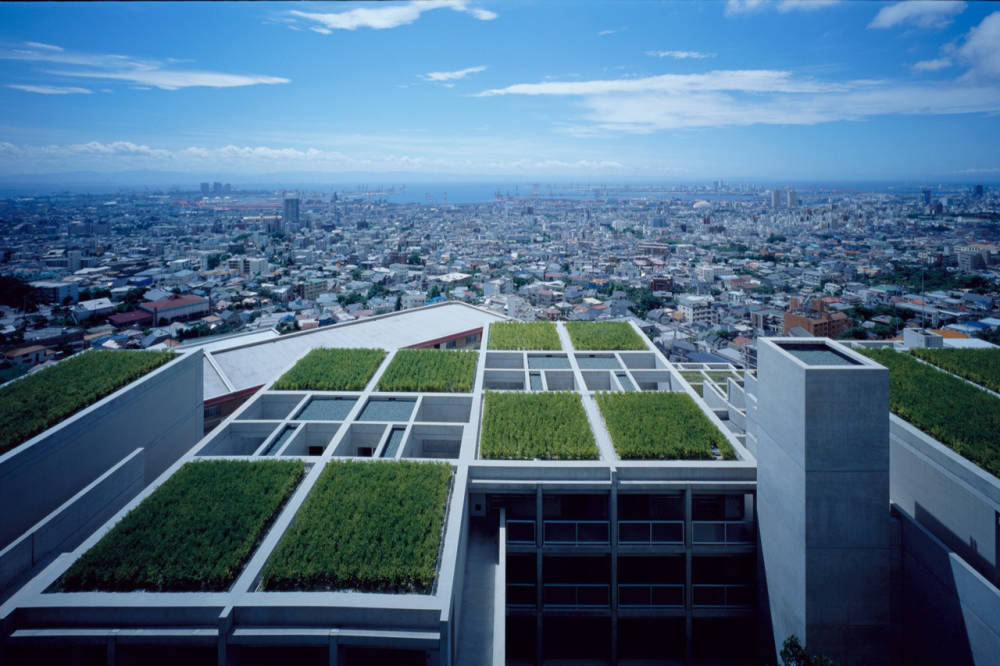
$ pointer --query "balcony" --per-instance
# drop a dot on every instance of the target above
(722, 596)
(582, 595)
(521, 532)
(723, 532)
(633, 595)
(651, 532)
(577, 532)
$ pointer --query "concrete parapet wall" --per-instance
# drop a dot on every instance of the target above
(161, 412)
(948, 495)
(950, 613)
(66, 527)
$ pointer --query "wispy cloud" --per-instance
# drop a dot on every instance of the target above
(933, 65)
(750, 97)
(138, 71)
(438, 77)
(605, 33)
(680, 55)
(50, 90)
(753, 80)
(119, 155)
(388, 16)
(735, 7)
(921, 13)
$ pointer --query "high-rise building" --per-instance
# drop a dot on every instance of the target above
(926, 193)
(205, 189)
(775, 198)
(216, 188)
(793, 200)
(291, 215)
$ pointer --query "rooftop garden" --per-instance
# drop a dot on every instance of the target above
(981, 366)
(430, 370)
(331, 370)
(525, 426)
(957, 414)
(33, 404)
(194, 533)
(661, 426)
(370, 526)
(603, 335)
(524, 335)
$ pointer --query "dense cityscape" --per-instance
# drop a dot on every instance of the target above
(703, 270)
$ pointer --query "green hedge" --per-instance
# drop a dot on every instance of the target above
(524, 426)
(524, 335)
(981, 366)
(33, 404)
(193, 533)
(430, 370)
(603, 335)
(660, 426)
(332, 370)
(961, 416)
(371, 526)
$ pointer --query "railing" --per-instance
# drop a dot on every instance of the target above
(722, 595)
(577, 531)
(632, 595)
(520, 531)
(723, 531)
(521, 595)
(583, 595)
(650, 531)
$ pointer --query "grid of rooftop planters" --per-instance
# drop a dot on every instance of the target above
(368, 526)
(35, 403)
(193, 533)
(326, 369)
(604, 336)
(956, 413)
(527, 426)
(517, 335)
(981, 366)
(430, 370)
(661, 426)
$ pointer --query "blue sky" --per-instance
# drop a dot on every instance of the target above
(739, 90)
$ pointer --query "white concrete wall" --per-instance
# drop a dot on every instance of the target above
(162, 413)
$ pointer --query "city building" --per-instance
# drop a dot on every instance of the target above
(815, 320)
(291, 210)
(175, 307)
(814, 512)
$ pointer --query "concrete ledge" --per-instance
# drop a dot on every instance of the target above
(67, 526)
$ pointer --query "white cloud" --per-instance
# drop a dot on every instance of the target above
(605, 33)
(141, 72)
(39, 45)
(734, 7)
(786, 6)
(933, 65)
(981, 49)
(749, 97)
(921, 13)
(452, 76)
(753, 80)
(680, 55)
(465, 156)
(388, 16)
(50, 90)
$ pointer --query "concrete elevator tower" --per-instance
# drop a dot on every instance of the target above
(820, 426)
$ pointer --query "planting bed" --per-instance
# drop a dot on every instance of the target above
(33, 404)
(331, 370)
(194, 533)
(661, 426)
(430, 370)
(960, 416)
(603, 335)
(524, 426)
(524, 335)
(370, 526)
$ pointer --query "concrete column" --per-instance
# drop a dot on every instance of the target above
(539, 541)
(112, 651)
(613, 588)
(688, 586)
